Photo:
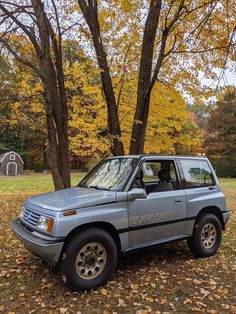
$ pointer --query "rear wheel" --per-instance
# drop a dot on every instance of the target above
(89, 259)
(206, 237)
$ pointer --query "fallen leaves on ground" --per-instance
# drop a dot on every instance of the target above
(162, 280)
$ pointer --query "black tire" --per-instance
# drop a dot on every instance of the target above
(69, 269)
(206, 237)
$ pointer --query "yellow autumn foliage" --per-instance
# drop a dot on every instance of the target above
(170, 127)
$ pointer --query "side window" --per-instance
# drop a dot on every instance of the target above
(150, 171)
(197, 173)
(159, 176)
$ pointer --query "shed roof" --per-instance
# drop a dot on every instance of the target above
(2, 157)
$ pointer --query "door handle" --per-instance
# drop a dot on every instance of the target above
(178, 201)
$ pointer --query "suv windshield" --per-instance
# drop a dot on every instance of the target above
(110, 174)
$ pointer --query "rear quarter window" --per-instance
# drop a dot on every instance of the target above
(196, 173)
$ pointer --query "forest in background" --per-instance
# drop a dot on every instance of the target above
(178, 114)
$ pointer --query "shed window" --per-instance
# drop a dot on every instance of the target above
(12, 157)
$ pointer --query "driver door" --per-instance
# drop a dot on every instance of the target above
(161, 216)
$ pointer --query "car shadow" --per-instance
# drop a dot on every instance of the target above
(159, 254)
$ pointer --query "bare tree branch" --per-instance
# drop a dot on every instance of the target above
(58, 24)
(23, 27)
(162, 54)
(202, 50)
(19, 58)
(121, 81)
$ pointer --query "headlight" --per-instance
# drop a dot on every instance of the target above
(45, 224)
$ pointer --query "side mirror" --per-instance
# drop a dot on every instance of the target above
(136, 194)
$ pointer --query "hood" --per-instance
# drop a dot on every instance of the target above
(72, 198)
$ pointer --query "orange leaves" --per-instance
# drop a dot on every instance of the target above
(104, 291)
(169, 123)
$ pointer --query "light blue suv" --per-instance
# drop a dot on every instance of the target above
(124, 203)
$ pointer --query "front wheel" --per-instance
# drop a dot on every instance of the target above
(89, 259)
(206, 237)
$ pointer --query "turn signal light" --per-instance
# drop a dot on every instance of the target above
(50, 225)
(69, 213)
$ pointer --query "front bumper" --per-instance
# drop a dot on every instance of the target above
(49, 250)
(226, 216)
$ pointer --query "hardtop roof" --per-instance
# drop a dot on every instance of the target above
(149, 156)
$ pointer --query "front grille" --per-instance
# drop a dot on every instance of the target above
(30, 217)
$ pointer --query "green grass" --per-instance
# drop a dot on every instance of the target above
(33, 182)
(228, 183)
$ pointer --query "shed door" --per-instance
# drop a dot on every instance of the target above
(12, 169)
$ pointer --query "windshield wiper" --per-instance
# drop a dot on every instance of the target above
(97, 187)
(84, 186)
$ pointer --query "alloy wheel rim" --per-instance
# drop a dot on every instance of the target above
(91, 260)
(208, 235)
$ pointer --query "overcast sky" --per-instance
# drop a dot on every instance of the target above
(224, 78)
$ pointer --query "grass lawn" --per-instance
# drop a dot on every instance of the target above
(165, 279)
(34, 183)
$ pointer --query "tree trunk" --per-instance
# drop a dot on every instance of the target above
(55, 98)
(57, 129)
(147, 79)
(47, 46)
(139, 129)
(90, 12)
(144, 79)
(53, 151)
